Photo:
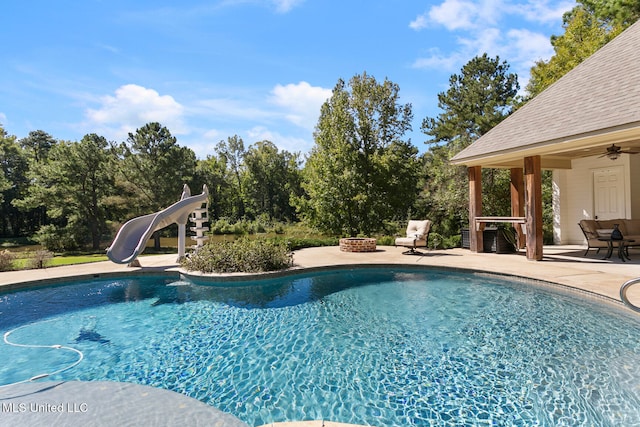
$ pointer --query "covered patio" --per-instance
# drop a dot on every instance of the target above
(587, 123)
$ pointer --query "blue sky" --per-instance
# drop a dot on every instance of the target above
(259, 69)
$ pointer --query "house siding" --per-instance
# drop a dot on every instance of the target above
(573, 194)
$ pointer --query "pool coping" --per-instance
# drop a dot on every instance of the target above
(37, 283)
(237, 279)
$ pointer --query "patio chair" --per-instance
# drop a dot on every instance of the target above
(417, 236)
(589, 228)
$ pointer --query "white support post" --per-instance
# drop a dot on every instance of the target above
(182, 237)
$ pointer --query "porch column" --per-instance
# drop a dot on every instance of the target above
(533, 184)
(475, 208)
(517, 201)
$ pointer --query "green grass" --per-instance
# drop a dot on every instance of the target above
(76, 259)
(23, 262)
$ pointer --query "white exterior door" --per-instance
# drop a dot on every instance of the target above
(608, 197)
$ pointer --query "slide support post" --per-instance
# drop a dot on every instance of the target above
(182, 237)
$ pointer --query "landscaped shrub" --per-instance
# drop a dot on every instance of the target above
(385, 240)
(40, 259)
(438, 241)
(242, 255)
(6, 260)
(454, 241)
(295, 243)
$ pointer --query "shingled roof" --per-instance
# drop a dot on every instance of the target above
(594, 105)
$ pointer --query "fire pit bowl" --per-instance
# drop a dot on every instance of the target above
(358, 244)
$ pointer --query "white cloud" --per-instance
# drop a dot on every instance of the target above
(454, 14)
(301, 102)
(133, 106)
(470, 14)
(437, 61)
(294, 107)
(419, 23)
(108, 48)
(488, 40)
(203, 143)
(283, 142)
(543, 12)
(3, 120)
(497, 27)
(529, 46)
(213, 135)
(284, 6)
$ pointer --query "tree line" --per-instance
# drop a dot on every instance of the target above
(73, 194)
(361, 175)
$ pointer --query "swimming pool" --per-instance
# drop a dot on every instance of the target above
(363, 346)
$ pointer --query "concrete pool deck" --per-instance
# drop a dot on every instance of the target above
(564, 265)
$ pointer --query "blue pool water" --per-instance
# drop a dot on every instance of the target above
(375, 347)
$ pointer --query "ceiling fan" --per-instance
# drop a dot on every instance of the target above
(614, 152)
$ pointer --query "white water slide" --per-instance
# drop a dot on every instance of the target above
(132, 237)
